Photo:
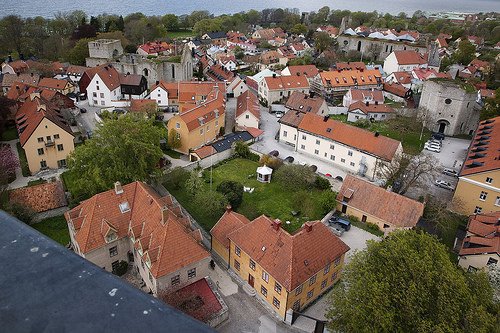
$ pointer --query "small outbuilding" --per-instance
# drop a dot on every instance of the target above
(264, 174)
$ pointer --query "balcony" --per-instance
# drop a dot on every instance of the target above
(49, 143)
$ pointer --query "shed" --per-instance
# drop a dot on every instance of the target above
(264, 174)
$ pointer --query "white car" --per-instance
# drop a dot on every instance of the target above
(432, 148)
(450, 172)
(279, 114)
(443, 184)
(434, 142)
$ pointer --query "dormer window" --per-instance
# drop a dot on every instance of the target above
(110, 237)
(124, 207)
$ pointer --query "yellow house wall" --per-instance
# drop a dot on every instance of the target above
(478, 261)
(466, 196)
(195, 139)
(359, 214)
(51, 154)
(220, 249)
(245, 270)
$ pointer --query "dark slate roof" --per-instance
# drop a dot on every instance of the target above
(46, 287)
(216, 35)
(227, 142)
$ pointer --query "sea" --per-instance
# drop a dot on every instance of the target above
(49, 8)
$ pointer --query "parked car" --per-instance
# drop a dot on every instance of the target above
(83, 110)
(337, 229)
(82, 96)
(344, 223)
(434, 142)
(274, 153)
(450, 172)
(433, 149)
(443, 184)
(438, 136)
(289, 159)
(279, 114)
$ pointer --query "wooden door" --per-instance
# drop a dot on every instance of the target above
(250, 280)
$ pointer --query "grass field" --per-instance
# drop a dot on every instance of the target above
(23, 161)
(269, 199)
(55, 228)
(69, 184)
(180, 34)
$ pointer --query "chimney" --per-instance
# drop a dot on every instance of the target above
(229, 209)
(274, 75)
(118, 188)
(164, 214)
(376, 102)
(10, 58)
(308, 226)
(367, 103)
(325, 118)
(377, 134)
(276, 224)
(311, 94)
(157, 82)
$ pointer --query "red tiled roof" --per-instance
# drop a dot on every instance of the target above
(402, 77)
(143, 105)
(370, 108)
(218, 72)
(442, 42)
(205, 151)
(73, 69)
(360, 94)
(155, 223)
(248, 102)
(406, 57)
(396, 89)
(308, 71)
(350, 78)
(53, 83)
(287, 82)
(40, 198)
(299, 101)
(390, 207)
(479, 245)
(254, 132)
(9, 79)
(358, 138)
(32, 112)
(484, 150)
(172, 88)
(18, 66)
(155, 47)
(480, 64)
(207, 110)
(353, 65)
(290, 259)
(485, 225)
(487, 93)
(228, 223)
(109, 76)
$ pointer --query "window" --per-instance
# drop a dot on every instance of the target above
(40, 151)
(323, 284)
(497, 201)
(285, 134)
(332, 147)
(97, 87)
(252, 264)
(332, 157)
(247, 116)
(303, 137)
(102, 95)
(316, 151)
(216, 123)
(177, 125)
(159, 95)
(263, 291)
(302, 147)
(94, 101)
(296, 305)
(150, 277)
(41, 139)
(201, 131)
(326, 154)
(175, 280)
(43, 164)
(236, 264)
(276, 303)
(56, 136)
(352, 164)
(326, 269)
(114, 265)
(489, 180)
(298, 290)
(237, 250)
(337, 261)
(208, 128)
(492, 261)
(61, 163)
(349, 153)
(124, 207)
(94, 94)
(265, 276)
(277, 287)
(113, 251)
(191, 273)
(102, 102)
(478, 210)
(312, 280)
(317, 142)
(447, 101)
(60, 147)
(483, 195)
(342, 160)
(310, 294)
(334, 276)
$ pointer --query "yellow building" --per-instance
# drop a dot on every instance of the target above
(373, 204)
(478, 188)
(200, 124)
(287, 271)
(44, 134)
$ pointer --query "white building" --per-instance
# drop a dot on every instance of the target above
(362, 95)
(237, 87)
(104, 87)
(404, 61)
(277, 88)
(372, 112)
(354, 149)
(159, 92)
(247, 111)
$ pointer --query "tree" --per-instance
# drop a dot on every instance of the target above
(328, 201)
(171, 22)
(212, 203)
(295, 177)
(465, 52)
(207, 25)
(194, 184)
(299, 29)
(241, 149)
(79, 52)
(174, 139)
(125, 150)
(407, 283)
(491, 107)
(176, 178)
(8, 165)
(6, 110)
(494, 277)
(233, 191)
(322, 41)
(271, 161)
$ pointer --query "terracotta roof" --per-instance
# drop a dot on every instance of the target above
(331, 30)
(215, 103)
(18, 66)
(484, 225)
(72, 69)
(407, 57)
(487, 93)
(155, 47)
(20, 92)
(390, 207)
(172, 88)
(402, 77)
(396, 89)
(130, 79)
(218, 72)
(290, 259)
(228, 223)
(248, 102)
(254, 132)
(142, 105)
(271, 33)
(484, 150)
(292, 118)
(480, 64)
(353, 65)
(358, 138)
(370, 108)
(155, 223)
(298, 46)
(40, 198)
(361, 94)
(480, 245)
(299, 101)
(53, 83)
(475, 40)
(350, 78)
(205, 151)
(109, 76)
(308, 71)
(424, 73)
(270, 57)
(32, 112)
(442, 42)
(9, 79)
(287, 82)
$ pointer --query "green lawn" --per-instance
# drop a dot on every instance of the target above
(172, 153)
(10, 134)
(23, 161)
(69, 184)
(55, 228)
(269, 199)
(180, 34)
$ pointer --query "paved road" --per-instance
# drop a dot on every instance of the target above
(230, 115)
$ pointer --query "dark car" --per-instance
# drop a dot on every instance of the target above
(313, 168)
(438, 136)
(274, 153)
(82, 110)
(344, 223)
(82, 96)
(289, 159)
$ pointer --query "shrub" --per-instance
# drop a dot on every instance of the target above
(121, 269)
(303, 203)
(253, 157)
(233, 191)
(272, 162)
(296, 177)
(328, 201)
(363, 123)
(21, 212)
(211, 202)
(176, 178)
(321, 183)
(241, 149)
(194, 183)
(372, 226)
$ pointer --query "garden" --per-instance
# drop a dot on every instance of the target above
(55, 228)
(294, 195)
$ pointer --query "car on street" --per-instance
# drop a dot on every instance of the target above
(431, 143)
(433, 149)
(337, 229)
(438, 136)
(344, 223)
(289, 159)
(279, 114)
(450, 172)
(274, 153)
(443, 184)
(83, 110)
(82, 96)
